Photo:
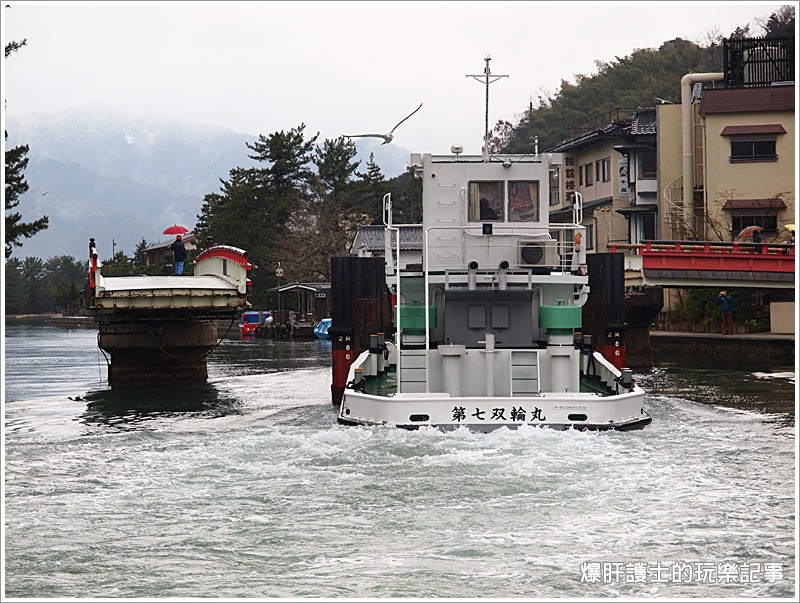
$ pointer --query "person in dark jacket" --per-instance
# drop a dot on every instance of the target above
(180, 254)
(724, 300)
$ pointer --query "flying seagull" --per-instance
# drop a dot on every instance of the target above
(387, 138)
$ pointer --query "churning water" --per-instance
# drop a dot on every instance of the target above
(246, 487)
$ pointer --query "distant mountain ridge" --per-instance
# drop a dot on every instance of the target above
(120, 179)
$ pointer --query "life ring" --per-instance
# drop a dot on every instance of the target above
(577, 240)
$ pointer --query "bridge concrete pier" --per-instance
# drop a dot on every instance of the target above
(152, 351)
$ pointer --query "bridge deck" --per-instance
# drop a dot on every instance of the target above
(167, 292)
(709, 264)
(219, 285)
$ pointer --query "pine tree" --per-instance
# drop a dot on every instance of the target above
(16, 162)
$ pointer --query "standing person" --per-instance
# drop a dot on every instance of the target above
(179, 250)
(724, 300)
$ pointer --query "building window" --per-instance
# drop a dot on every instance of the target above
(485, 201)
(649, 227)
(555, 191)
(588, 175)
(589, 236)
(604, 170)
(523, 201)
(646, 160)
(741, 221)
(753, 148)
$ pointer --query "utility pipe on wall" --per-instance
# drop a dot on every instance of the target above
(687, 81)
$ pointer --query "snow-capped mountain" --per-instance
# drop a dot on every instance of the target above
(120, 180)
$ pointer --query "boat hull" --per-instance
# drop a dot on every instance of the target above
(557, 411)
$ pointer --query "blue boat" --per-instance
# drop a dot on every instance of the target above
(321, 330)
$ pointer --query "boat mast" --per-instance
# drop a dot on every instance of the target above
(487, 79)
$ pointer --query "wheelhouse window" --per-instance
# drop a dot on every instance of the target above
(756, 147)
(523, 200)
(486, 201)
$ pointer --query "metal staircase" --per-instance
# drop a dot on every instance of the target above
(674, 215)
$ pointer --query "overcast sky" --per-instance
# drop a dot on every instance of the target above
(339, 67)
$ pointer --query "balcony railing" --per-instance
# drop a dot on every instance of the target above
(758, 62)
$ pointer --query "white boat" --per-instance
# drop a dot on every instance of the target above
(488, 325)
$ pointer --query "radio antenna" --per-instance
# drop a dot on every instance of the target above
(487, 78)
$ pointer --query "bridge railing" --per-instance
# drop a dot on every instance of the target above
(687, 263)
(704, 247)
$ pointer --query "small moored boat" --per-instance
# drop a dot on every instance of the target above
(321, 329)
(252, 320)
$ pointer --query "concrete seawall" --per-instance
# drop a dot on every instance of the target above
(754, 351)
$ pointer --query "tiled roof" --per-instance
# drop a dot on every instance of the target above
(644, 121)
(613, 130)
(772, 203)
(410, 237)
(314, 287)
(754, 129)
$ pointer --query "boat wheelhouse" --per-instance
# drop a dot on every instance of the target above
(487, 328)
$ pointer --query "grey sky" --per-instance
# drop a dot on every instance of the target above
(340, 67)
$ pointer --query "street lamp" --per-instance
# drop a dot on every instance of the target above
(279, 274)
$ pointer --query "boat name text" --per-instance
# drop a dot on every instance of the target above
(499, 414)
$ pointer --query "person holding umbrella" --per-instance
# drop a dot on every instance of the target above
(179, 250)
(753, 231)
(178, 247)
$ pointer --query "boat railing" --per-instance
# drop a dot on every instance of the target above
(558, 248)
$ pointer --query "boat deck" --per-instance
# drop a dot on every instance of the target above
(385, 383)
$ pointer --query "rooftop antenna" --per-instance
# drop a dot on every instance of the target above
(487, 78)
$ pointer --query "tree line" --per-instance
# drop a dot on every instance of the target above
(305, 200)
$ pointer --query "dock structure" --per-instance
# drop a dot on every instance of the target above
(160, 329)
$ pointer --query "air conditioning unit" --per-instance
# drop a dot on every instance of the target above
(542, 253)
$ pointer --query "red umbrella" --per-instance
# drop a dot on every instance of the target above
(175, 230)
(748, 232)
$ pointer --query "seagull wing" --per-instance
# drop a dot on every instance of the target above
(405, 118)
(386, 137)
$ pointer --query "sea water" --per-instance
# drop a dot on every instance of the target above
(246, 487)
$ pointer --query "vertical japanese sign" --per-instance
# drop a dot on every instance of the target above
(624, 185)
(569, 175)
